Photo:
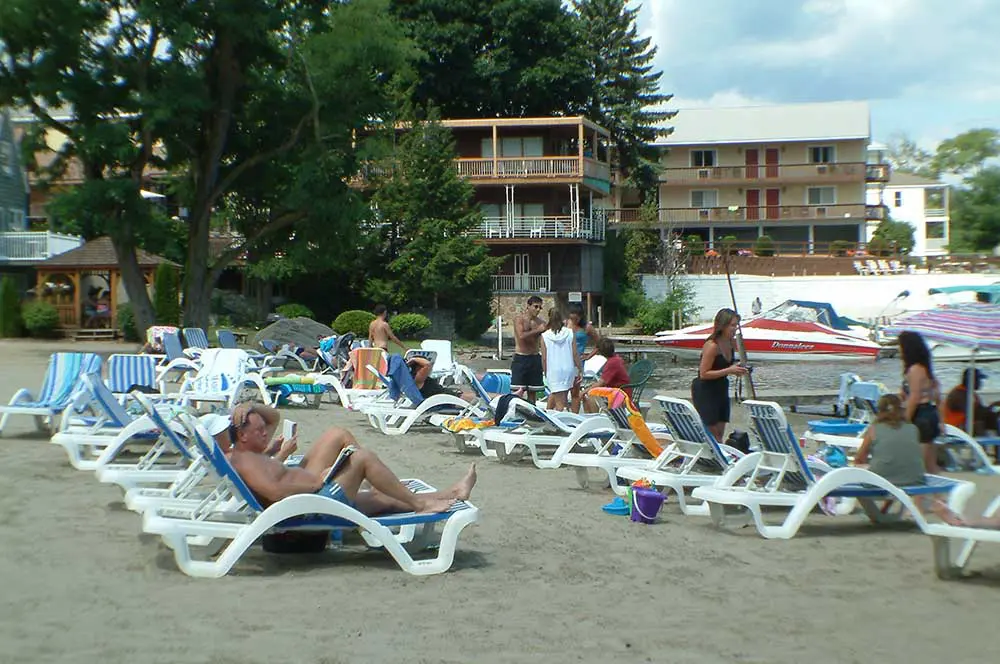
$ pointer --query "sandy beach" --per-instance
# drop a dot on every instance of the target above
(544, 576)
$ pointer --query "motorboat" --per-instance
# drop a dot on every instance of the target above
(795, 330)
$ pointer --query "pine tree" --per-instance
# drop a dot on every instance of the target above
(427, 214)
(625, 98)
(167, 304)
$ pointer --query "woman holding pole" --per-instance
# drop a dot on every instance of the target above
(710, 389)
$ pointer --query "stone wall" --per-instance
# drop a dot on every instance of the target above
(442, 323)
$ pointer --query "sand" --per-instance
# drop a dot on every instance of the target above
(544, 576)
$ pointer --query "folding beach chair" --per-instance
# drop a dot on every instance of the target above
(195, 337)
(129, 372)
(62, 379)
(780, 476)
(217, 519)
(408, 406)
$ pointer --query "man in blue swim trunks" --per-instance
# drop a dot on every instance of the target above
(526, 367)
(252, 427)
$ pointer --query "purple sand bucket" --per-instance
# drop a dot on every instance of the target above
(645, 504)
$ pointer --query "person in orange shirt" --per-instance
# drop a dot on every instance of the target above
(957, 403)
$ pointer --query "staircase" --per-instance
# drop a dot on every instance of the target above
(90, 334)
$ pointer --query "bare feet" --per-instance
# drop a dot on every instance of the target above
(433, 505)
(463, 489)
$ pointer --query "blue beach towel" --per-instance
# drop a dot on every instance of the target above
(402, 381)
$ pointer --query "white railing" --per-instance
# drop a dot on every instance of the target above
(520, 167)
(935, 212)
(35, 246)
(521, 283)
(563, 227)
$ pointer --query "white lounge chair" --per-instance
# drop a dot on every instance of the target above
(694, 458)
(244, 525)
(223, 375)
(62, 380)
(780, 476)
(398, 417)
(954, 545)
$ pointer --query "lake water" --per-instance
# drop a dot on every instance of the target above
(812, 376)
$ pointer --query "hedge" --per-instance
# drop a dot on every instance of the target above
(354, 321)
(409, 326)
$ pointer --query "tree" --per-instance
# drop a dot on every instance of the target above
(624, 96)
(975, 212)
(168, 308)
(894, 235)
(908, 157)
(249, 105)
(427, 218)
(515, 58)
(966, 153)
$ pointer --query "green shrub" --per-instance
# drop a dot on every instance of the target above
(165, 300)
(695, 245)
(409, 326)
(728, 245)
(355, 321)
(10, 309)
(840, 247)
(764, 246)
(126, 323)
(292, 310)
(40, 319)
(656, 315)
(879, 246)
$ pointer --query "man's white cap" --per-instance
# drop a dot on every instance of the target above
(214, 423)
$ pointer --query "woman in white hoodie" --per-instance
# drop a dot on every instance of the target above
(560, 361)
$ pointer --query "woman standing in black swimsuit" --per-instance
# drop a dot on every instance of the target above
(921, 394)
(710, 390)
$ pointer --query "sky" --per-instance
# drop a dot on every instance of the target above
(930, 69)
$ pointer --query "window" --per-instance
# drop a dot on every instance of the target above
(934, 230)
(821, 196)
(898, 199)
(702, 158)
(16, 220)
(526, 146)
(822, 154)
(487, 149)
(934, 199)
(5, 221)
(6, 157)
(490, 210)
(705, 198)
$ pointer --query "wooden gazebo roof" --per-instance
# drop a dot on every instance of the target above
(99, 253)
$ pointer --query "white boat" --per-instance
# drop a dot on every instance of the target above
(795, 330)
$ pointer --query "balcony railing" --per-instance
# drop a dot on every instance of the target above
(741, 214)
(743, 174)
(521, 283)
(35, 246)
(565, 227)
(935, 212)
(508, 168)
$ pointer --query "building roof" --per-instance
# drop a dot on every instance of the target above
(760, 124)
(100, 253)
(900, 179)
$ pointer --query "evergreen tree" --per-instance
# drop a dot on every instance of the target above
(426, 218)
(625, 97)
(168, 308)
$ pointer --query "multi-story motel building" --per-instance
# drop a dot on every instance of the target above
(542, 185)
(922, 203)
(796, 173)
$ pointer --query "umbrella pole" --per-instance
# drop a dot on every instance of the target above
(970, 387)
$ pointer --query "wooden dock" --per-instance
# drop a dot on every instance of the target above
(812, 401)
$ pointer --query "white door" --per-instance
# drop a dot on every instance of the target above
(522, 272)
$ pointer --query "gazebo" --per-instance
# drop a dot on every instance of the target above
(61, 278)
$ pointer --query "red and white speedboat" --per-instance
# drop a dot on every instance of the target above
(793, 331)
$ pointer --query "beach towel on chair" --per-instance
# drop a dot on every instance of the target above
(402, 381)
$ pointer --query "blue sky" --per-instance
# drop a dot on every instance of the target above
(930, 69)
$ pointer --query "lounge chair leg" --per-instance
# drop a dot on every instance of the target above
(718, 513)
(943, 563)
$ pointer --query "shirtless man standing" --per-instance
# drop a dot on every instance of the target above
(379, 332)
(526, 367)
(251, 429)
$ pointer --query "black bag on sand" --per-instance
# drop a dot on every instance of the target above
(739, 440)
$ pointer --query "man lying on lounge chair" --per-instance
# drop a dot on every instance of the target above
(248, 441)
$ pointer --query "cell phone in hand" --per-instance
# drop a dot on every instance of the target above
(289, 429)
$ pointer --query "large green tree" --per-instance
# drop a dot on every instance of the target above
(625, 95)
(249, 105)
(975, 212)
(428, 224)
(966, 153)
(515, 58)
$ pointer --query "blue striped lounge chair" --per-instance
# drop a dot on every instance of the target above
(244, 524)
(195, 337)
(780, 476)
(62, 380)
(128, 372)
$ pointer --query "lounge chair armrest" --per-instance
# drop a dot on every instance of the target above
(23, 394)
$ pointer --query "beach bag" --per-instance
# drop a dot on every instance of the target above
(739, 440)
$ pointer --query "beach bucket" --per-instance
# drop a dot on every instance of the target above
(645, 504)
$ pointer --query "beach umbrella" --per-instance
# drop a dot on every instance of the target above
(973, 326)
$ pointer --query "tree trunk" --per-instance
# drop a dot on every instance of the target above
(135, 287)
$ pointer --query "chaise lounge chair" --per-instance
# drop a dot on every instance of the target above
(780, 476)
(58, 388)
(245, 524)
